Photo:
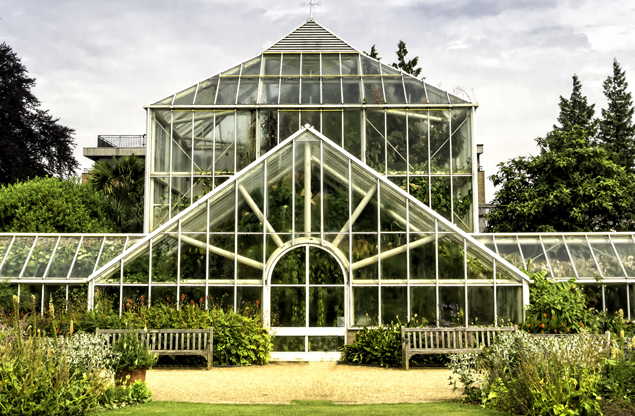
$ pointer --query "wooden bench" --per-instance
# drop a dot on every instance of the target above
(457, 340)
(170, 341)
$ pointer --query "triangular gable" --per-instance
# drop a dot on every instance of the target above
(313, 37)
(269, 194)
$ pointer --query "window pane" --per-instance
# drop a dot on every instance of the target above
(375, 140)
(310, 91)
(352, 90)
(422, 256)
(272, 64)
(616, 299)
(248, 92)
(394, 267)
(331, 91)
(452, 305)
(291, 268)
(40, 257)
(480, 300)
(423, 305)
(415, 90)
(350, 64)
(326, 307)
(227, 91)
(330, 64)
(509, 300)
(373, 91)
(206, 92)
(394, 304)
(365, 306)
(311, 64)
(394, 90)
(353, 132)
(291, 64)
(288, 306)
(332, 125)
(270, 90)
(290, 91)
(440, 141)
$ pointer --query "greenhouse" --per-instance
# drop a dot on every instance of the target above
(329, 191)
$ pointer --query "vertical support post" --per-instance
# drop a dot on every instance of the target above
(307, 189)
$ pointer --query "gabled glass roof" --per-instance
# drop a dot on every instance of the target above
(311, 66)
(587, 257)
(38, 258)
(308, 190)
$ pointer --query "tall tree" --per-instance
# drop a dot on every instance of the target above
(616, 126)
(32, 142)
(576, 111)
(373, 53)
(122, 184)
(572, 185)
(408, 66)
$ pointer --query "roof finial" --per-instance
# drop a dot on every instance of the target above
(311, 6)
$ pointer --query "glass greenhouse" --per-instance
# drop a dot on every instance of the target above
(326, 188)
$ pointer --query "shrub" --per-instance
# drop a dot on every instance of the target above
(133, 353)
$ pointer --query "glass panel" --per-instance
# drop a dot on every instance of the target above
(311, 64)
(582, 257)
(441, 195)
(5, 241)
(279, 198)
(365, 306)
(533, 254)
(332, 125)
(480, 301)
(488, 241)
(203, 144)
(436, 96)
(136, 270)
(325, 344)
(331, 91)
(182, 142)
(291, 268)
(393, 210)
(235, 71)
(113, 247)
(250, 246)
(420, 221)
(272, 64)
(248, 297)
(369, 66)
(335, 198)
(375, 140)
(57, 295)
(461, 141)
(394, 304)
(452, 305)
(353, 128)
(415, 90)
(270, 91)
(362, 185)
(422, 257)
(310, 91)
(324, 269)
(161, 137)
(606, 257)
(63, 258)
(615, 299)
(423, 305)
(160, 202)
(185, 97)
(288, 344)
(268, 123)
(222, 211)
(164, 295)
(221, 267)
(245, 138)
(558, 257)
(220, 297)
(288, 306)
(626, 250)
(227, 91)
(206, 92)
(593, 296)
(397, 147)
(440, 141)
(134, 296)
(330, 64)
(194, 295)
(250, 187)
(462, 203)
(40, 257)
(479, 265)
(418, 142)
(304, 150)
(326, 307)
(350, 64)
(451, 257)
(394, 90)
(17, 256)
(365, 246)
(291, 64)
(193, 257)
(87, 256)
(26, 291)
(166, 100)
(181, 193)
(390, 71)
(311, 118)
(224, 142)
(134, 240)
(251, 67)
(373, 91)
(248, 93)
(289, 123)
(509, 300)
(507, 249)
(352, 90)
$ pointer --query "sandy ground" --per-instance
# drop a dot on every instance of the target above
(281, 382)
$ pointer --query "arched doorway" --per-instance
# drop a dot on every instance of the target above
(307, 303)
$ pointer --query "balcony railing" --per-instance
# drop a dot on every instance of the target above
(121, 141)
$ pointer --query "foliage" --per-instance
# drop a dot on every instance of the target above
(555, 307)
(32, 142)
(87, 351)
(408, 66)
(524, 374)
(133, 353)
(378, 345)
(617, 130)
(51, 205)
(373, 53)
(122, 184)
(123, 395)
(575, 111)
(573, 185)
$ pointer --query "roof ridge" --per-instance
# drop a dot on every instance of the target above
(311, 36)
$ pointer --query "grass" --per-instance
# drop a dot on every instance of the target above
(306, 408)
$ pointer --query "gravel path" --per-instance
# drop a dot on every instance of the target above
(281, 382)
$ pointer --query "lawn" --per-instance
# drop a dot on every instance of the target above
(305, 408)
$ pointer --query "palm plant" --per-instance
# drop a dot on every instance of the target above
(122, 183)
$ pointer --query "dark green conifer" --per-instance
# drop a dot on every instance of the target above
(576, 111)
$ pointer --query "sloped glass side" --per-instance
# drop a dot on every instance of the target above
(40, 257)
(15, 259)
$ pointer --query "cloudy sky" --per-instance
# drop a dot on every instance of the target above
(98, 62)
